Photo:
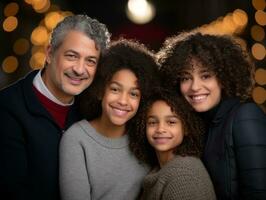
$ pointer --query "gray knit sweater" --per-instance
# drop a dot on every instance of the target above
(181, 178)
(96, 167)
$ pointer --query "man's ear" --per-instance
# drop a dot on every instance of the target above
(48, 54)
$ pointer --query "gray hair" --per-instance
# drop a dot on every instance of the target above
(83, 23)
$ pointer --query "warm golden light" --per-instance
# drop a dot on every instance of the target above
(257, 33)
(228, 24)
(10, 64)
(28, 1)
(259, 95)
(11, 9)
(260, 17)
(259, 4)
(52, 19)
(140, 11)
(258, 51)
(41, 6)
(260, 76)
(39, 35)
(37, 60)
(21, 46)
(240, 17)
(10, 24)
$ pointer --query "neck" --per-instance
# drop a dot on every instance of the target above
(164, 157)
(108, 129)
(59, 95)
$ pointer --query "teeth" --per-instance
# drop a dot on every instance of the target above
(119, 112)
(199, 97)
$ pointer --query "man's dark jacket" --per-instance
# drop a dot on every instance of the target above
(29, 141)
(235, 150)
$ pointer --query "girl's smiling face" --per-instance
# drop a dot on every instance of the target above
(200, 87)
(164, 129)
(121, 98)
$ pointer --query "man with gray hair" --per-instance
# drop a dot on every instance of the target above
(35, 111)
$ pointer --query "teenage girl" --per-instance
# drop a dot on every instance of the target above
(215, 76)
(95, 160)
(168, 138)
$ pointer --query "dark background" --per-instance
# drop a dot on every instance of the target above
(172, 16)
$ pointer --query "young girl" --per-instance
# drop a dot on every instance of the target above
(169, 140)
(215, 76)
(95, 160)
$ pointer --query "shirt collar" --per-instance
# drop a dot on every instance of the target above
(41, 87)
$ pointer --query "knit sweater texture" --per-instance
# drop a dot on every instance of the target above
(93, 166)
(181, 178)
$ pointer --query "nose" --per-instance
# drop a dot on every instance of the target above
(123, 98)
(195, 84)
(79, 67)
(161, 128)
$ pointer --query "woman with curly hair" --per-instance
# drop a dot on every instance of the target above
(168, 138)
(215, 76)
(95, 159)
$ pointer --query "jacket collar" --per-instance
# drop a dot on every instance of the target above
(224, 107)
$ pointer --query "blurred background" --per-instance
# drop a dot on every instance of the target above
(26, 25)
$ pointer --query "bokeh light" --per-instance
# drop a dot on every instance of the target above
(10, 64)
(258, 51)
(10, 24)
(259, 4)
(21, 46)
(52, 19)
(257, 33)
(11, 9)
(260, 76)
(37, 60)
(260, 17)
(39, 35)
(259, 95)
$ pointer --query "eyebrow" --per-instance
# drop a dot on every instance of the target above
(119, 84)
(75, 52)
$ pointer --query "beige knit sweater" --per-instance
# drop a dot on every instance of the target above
(183, 178)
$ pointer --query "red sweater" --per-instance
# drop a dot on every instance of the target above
(58, 112)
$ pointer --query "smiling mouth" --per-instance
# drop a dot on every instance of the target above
(161, 140)
(119, 111)
(198, 98)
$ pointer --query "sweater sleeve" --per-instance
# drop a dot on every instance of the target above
(249, 132)
(73, 177)
(13, 159)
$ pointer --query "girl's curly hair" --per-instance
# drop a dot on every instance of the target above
(121, 54)
(219, 54)
(191, 123)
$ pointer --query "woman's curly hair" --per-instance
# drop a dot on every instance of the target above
(219, 54)
(192, 126)
(121, 54)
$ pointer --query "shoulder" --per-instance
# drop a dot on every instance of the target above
(14, 91)
(189, 165)
(190, 180)
(75, 130)
(248, 110)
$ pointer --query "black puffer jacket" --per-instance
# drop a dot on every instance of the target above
(235, 150)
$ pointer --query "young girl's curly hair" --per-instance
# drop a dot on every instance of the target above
(121, 54)
(191, 124)
(219, 54)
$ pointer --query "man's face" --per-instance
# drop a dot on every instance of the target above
(71, 67)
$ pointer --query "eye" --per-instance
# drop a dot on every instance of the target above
(70, 56)
(135, 94)
(91, 62)
(206, 76)
(151, 123)
(114, 89)
(171, 122)
(183, 79)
